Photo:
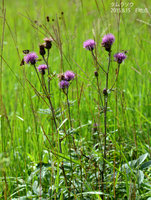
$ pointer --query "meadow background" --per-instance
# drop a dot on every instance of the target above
(29, 167)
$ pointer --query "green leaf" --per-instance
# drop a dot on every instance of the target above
(146, 165)
(148, 194)
(141, 159)
(60, 155)
(140, 177)
(44, 111)
(35, 186)
(62, 123)
(93, 193)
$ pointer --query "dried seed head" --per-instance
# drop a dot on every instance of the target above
(48, 43)
(61, 77)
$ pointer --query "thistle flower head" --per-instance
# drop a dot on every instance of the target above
(48, 43)
(107, 41)
(31, 58)
(69, 75)
(64, 84)
(119, 57)
(89, 44)
(42, 68)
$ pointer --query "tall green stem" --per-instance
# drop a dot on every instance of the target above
(105, 121)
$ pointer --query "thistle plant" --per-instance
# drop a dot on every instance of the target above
(64, 84)
(85, 135)
(47, 45)
(65, 81)
(32, 58)
(44, 75)
(107, 42)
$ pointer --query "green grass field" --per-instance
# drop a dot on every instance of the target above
(43, 160)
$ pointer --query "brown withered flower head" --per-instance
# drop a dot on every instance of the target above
(61, 76)
(48, 43)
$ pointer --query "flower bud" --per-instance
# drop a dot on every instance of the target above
(96, 74)
(47, 18)
(42, 50)
(105, 91)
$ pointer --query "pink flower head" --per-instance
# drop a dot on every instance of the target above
(42, 68)
(120, 57)
(31, 58)
(89, 44)
(69, 75)
(48, 39)
(64, 84)
(107, 41)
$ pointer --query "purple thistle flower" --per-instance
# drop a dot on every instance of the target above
(107, 41)
(69, 75)
(42, 68)
(89, 44)
(31, 58)
(64, 84)
(120, 57)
